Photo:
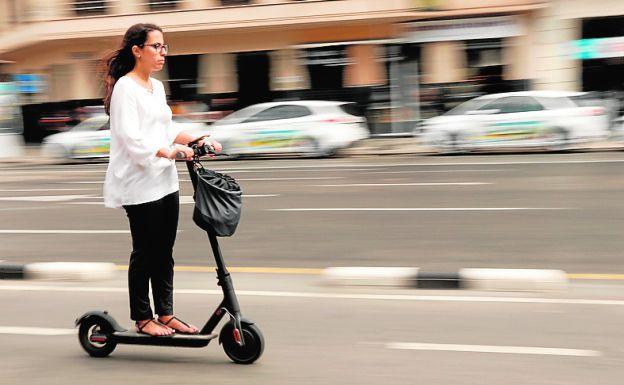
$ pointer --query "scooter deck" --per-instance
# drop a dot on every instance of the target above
(180, 340)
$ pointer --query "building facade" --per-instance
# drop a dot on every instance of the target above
(391, 56)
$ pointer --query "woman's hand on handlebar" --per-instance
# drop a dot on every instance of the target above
(213, 143)
(216, 145)
(179, 152)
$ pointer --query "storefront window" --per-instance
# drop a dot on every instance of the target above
(603, 70)
(485, 64)
(326, 67)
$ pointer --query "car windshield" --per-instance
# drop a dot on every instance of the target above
(239, 116)
(587, 100)
(91, 124)
(470, 105)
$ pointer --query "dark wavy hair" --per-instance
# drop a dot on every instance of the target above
(121, 61)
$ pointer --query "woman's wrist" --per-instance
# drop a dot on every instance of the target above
(165, 152)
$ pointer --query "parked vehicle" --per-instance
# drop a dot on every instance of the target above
(318, 128)
(90, 139)
(532, 119)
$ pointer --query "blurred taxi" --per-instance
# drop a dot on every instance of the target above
(531, 119)
(317, 128)
(90, 139)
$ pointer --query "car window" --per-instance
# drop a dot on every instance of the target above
(470, 105)
(280, 112)
(513, 104)
(238, 116)
(587, 101)
(91, 124)
(557, 103)
(352, 109)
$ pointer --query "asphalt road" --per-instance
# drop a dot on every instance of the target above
(323, 335)
(559, 211)
(438, 213)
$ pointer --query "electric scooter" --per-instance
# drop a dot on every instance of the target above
(241, 338)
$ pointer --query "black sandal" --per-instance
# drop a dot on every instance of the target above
(183, 323)
(140, 329)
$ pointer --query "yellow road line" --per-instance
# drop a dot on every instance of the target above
(312, 271)
(597, 276)
(258, 270)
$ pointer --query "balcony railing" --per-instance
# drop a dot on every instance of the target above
(227, 3)
(89, 7)
(162, 5)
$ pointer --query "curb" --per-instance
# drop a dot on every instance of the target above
(470, 279)
(59, 271)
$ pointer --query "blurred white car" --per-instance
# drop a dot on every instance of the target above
(90, 139)
(617, 130)
(316, 128)
(531, 119)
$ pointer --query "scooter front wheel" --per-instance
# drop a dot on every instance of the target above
(95, 337)
(250, 351)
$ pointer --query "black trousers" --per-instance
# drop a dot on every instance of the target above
(153, 226)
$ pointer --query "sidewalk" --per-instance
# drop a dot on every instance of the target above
(31, 156)
(387, 146)
(366, 147)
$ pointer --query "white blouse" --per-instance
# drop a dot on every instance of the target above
(140, 124)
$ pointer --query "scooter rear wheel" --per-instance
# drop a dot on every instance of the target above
(95, 337)
(248, 353)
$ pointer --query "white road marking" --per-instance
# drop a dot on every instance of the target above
(61, 171)
(27, 208)
(46, 198)
(294, 178)
(280, 179)
(84, 182)
(405, 184)
(184, 199)
(431, 171)
(494, 349)
(291, 170)
(481, 163)
(45, 189)
(32, 331)
(188, 199)
(423, 209)
(65, 231)
(290, 294)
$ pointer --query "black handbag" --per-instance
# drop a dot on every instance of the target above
(218, 202)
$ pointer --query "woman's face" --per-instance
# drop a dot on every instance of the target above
(152, 55)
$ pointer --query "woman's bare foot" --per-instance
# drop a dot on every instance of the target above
(178, 325)
(153, 328)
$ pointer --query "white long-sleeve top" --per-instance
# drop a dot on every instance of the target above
(140, 124)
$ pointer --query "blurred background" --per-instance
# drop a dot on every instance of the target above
(400, 61)
(431, 84)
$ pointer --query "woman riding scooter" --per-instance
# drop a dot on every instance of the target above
(142, 175)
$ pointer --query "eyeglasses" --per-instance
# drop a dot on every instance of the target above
(162, 48)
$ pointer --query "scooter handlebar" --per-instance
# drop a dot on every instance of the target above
(203, 150)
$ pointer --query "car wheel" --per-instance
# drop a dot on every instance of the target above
(56, 151)
(311, 148)
(453, 144)
(559, 140)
